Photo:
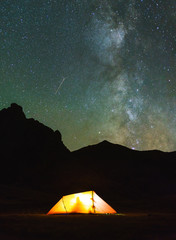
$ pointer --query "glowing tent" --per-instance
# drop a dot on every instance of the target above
(84, 202)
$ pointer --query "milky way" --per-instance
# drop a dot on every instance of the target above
(94, 70)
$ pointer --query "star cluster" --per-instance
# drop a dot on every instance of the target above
(94, 69)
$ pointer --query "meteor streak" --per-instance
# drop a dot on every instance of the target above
(60, 85)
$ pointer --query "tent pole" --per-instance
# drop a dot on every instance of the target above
(64, 205)
(93, 202)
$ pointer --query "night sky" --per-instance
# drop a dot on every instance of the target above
(93, 69)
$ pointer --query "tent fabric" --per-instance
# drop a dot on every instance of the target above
(84, 202)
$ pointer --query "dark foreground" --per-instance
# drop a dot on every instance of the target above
(128, 226)
(37, 170)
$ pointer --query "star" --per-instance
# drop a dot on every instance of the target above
(119, 59)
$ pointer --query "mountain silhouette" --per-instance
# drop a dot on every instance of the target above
(33, 157)
(28, 148)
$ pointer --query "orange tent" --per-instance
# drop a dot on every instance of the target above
(84, 202)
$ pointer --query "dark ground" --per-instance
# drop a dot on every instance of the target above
(23, 217)
(121, 227)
